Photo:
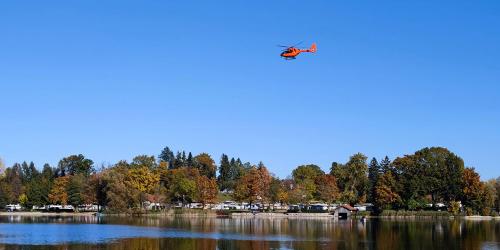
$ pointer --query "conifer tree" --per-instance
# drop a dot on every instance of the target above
(167, 155)
(373, 174)
(189, 160)
(224, 177)
(385, 165)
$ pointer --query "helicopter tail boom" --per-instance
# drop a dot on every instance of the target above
(312, 49)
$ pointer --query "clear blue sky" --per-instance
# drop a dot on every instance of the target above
(114, 79)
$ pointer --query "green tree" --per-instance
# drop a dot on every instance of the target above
(29, 172)
(434, 172)
(75, 190)
(144, 161)
(306, 172)
(167, 156)
(385, 165)
(178, 163)
(181, 184)
(224, 178)
(373, 174)
(75, 164)
(190, 160)
(352, 178)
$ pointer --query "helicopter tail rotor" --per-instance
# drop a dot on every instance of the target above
(313, 48)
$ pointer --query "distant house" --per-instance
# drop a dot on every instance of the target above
(344, 211)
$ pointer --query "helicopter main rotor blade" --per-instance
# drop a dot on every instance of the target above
(297, 44)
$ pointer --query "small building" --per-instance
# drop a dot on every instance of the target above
(344, 211)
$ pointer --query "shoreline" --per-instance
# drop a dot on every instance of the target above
(41, 214)
(213, 214)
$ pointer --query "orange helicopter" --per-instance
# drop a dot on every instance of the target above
(291, 52)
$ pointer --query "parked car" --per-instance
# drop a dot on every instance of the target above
(13, 207)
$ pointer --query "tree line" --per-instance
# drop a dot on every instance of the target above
(411, 182)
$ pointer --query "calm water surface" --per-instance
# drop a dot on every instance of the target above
(18, 232)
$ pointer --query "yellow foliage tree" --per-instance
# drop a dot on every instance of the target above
(58, 194)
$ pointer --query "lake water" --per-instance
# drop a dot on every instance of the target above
(19, 232)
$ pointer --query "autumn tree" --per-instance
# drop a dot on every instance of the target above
(94, 191)
(496, 184)
(2, 168)
(14, 178)
(206, 165)
(58, 194)
(143, 180)
(254, 185)
(276, 191)
(6, 195)
(207, 189)
(488, 199)
(472, 189)
(264, 182)
(326, 188)
(120, 196)
(385, 191)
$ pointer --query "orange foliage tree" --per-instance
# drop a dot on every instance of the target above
(58, 194)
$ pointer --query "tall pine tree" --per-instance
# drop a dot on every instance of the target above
(373, 174)
(224, 178)
(167, 156)
(385, 165)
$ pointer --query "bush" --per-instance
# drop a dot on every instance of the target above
(454, 207)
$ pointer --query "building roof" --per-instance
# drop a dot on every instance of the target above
(348, 207)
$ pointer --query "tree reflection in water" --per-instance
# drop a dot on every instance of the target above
(290, 233)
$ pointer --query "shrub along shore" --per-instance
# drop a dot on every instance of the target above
(406, 186)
